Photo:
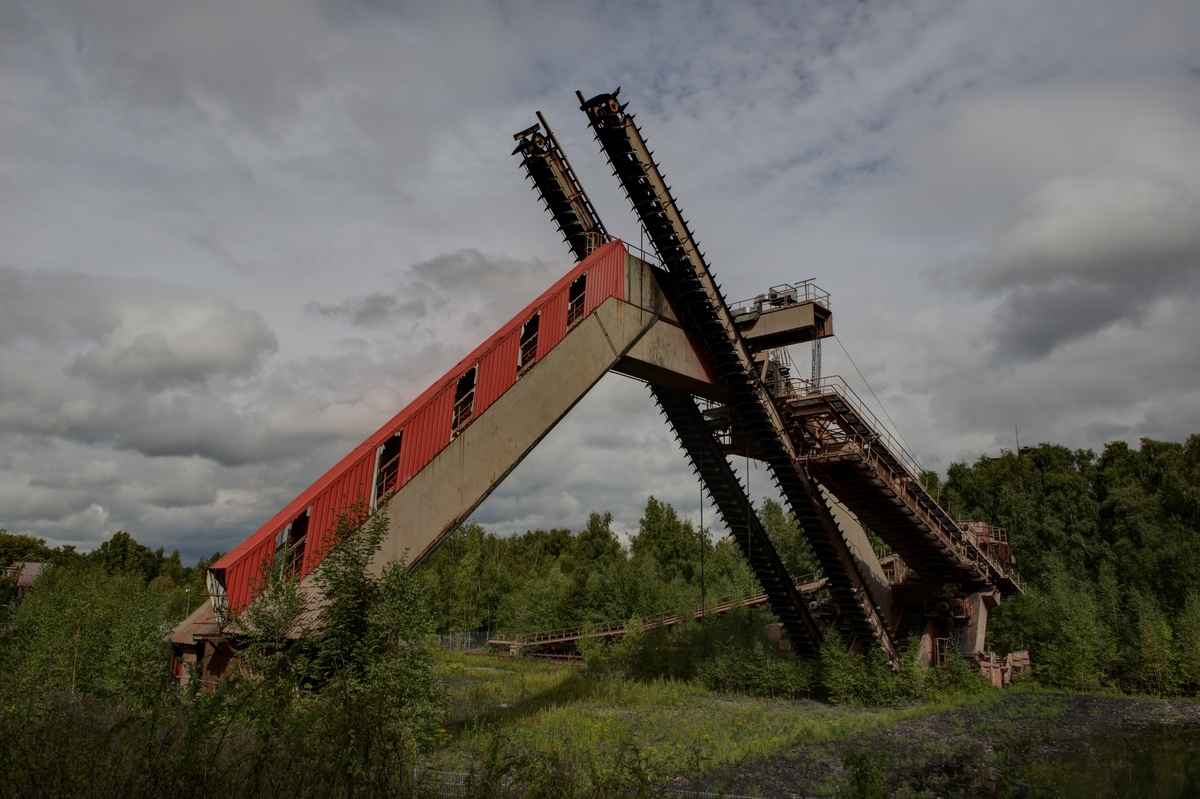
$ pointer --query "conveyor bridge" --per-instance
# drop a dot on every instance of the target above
(716, 375)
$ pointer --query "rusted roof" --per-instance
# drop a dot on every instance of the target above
(25, 572)
(308, 622)
(201, 624)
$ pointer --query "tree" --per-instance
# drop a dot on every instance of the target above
(789, 539)
(121, 554)
(669, 541)
(83, 630)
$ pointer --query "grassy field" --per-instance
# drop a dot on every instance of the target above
(512, 715)
(528, 728)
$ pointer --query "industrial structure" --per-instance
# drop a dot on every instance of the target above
(724, 384)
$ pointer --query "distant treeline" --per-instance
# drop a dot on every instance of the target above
(1109, 544)
(555, 578)
(120, 555)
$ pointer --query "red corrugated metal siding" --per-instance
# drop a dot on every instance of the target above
(425, 422)
(606, 278)
(497, 370)
(427, 432)
(553, 326)
(350, 487)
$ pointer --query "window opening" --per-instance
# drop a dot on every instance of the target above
(387, 467)
(575, 298)
(464, 400)
(529, 340)
(291, 540)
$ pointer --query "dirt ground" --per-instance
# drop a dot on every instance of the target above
(979, 750)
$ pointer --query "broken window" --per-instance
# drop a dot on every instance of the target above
(291, 540)
(528, 348)
(575, 298)
(387, 467)
(464, 400)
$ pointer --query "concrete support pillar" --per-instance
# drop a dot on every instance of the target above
(925, 654)
(973, 637)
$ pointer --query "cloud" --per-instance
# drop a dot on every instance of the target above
(451, 299)
(132, 331)
(1094, 195)
(238, 236)
(371, 310)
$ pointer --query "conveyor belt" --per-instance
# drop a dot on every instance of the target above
(703, 311)
(547, 166)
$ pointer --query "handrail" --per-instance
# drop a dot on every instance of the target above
(836, 385)
(903, 475)
(722, 605)
(781, 296)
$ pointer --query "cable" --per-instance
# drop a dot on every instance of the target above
(895, 427)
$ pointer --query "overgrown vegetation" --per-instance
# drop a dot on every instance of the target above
(89, 708)
(1110, 546)
(547, 579)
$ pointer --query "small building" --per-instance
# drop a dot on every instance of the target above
(199, 648)
(25, 573)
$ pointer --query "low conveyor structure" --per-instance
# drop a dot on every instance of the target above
(556, 640)
(723, 385)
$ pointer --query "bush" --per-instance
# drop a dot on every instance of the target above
(727, 653)
(81, 630)
(338, 713)
(849, 678)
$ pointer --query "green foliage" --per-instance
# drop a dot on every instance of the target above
(1188, 639)
(15, 548)
(340, 712)
(956, 677)
(81, 630)
(122, 555)
(670, 542)
(789, 539)
(728, 653)
(850, 678)
(867, 773)
(1061, 622)
(549, 579)
(1111, 548)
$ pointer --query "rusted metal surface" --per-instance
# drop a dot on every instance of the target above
(703, 310)
(201, 624)
(554, 180)
(784, 314)
(853, 454)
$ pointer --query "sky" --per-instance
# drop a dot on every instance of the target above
(237, 236)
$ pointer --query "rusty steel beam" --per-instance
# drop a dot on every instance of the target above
(554, 180)
(704, 311)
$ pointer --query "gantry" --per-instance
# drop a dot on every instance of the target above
(720, 376)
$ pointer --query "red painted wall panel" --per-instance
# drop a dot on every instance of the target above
(426, 424)
(497, 370)
(553, 326)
